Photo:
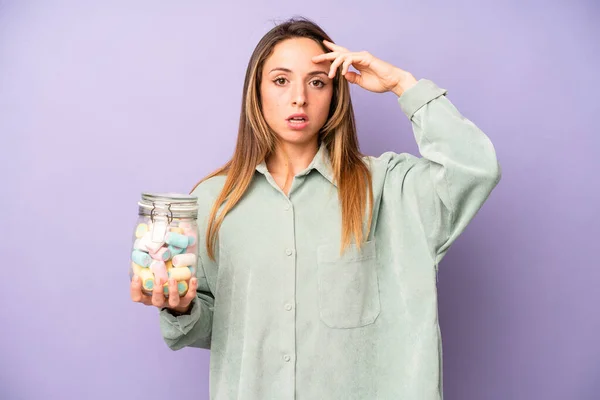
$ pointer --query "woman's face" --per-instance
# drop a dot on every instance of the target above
(295, 92)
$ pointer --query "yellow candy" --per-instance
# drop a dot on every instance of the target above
(179, 274)
(176, 230)
(141, 230)
(136, 268)
(182, 288)
(145, 275)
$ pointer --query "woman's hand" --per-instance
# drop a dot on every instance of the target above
(374, 74)
(174, 302)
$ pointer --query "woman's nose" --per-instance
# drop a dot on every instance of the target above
(299, 96)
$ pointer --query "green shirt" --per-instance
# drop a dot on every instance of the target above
(286, 317)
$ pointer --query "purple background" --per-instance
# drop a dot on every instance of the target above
(99, 102)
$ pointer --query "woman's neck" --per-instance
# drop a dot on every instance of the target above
(289, 160)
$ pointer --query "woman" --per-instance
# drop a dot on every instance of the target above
(321, 282)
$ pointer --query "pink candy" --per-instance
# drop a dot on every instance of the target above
(163, 254)
(159, 269)
(193, 236)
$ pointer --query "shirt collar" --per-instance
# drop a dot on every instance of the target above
(321, 162)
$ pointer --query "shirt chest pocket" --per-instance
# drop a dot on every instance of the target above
(348, 285)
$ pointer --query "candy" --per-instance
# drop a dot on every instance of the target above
(158, 230)
(185, 225)
(151, 245)
(164, 250)
(148, 282)
(138, 245)
(192, 235)
(182, 288)
(163, 254)
(136, 268)
(175, 250)
(177, 240)
(180, 274)
(141, 258)
(184, 260)
(159, 269)
(145, 275)
(141, 230)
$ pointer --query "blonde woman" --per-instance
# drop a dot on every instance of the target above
(317, 267)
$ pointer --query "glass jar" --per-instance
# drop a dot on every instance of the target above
(165, 241)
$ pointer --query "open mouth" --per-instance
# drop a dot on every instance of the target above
(297, 120)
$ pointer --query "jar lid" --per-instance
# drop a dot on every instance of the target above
(179, 205)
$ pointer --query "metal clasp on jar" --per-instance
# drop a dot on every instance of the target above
(161, 217)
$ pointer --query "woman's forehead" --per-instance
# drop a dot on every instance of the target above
(296, 52)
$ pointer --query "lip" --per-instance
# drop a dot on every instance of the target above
(297, 126)
(298, 116)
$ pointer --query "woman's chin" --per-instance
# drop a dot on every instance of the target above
(296, 137)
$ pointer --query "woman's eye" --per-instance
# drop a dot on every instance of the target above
(279, 81)
(318, 83)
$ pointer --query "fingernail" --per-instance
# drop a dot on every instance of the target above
(136, 278)
(171, 281)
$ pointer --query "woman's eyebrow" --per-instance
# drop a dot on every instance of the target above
(289, 70)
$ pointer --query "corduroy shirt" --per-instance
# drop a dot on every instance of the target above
(285, 316)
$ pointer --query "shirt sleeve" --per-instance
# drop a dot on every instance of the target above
(194, 329)
(455, 175)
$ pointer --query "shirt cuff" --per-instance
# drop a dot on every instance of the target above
(183, 323)
(415, 97)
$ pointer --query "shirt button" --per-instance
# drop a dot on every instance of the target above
(288, 307)
(287, 206)
(288, 252)
(286, 358)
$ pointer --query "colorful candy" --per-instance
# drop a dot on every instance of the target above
(159, 270)
(184, 260)
(138, 245)
(141, 230)
(161, 252)
(175, 250)
(177, 240)
(145, 275)
(141, 258)
(182, 288)
(180, 274)
(150, 244)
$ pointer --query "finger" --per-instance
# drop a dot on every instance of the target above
(174, 299)
(346, 65)
(146, 300)
(335, 65)
(136, 289)
(326, 56)
(351, 59)
(334, 46)
(191, 293)
(353, 77)
(158, 298)
(137, 294)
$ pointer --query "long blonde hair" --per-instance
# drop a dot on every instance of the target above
(256, 141)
